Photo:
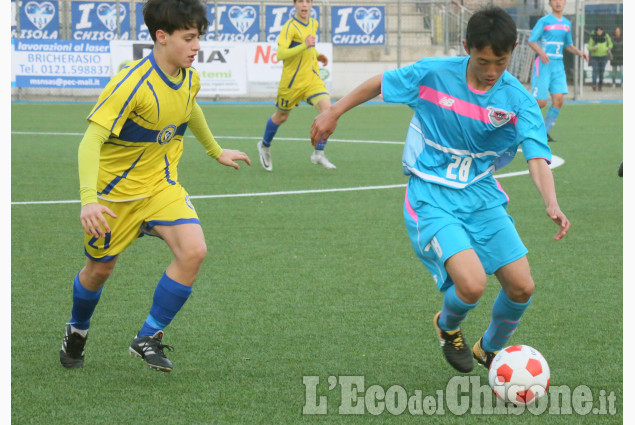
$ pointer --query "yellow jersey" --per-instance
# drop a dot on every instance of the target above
(147, 115)
(300, 68)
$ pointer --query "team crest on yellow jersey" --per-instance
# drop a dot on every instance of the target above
(189, 203)
(166, 134)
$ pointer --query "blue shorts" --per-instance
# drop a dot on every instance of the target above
(436, 235)
(548, 78)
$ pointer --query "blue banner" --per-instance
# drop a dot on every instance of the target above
(277, 16)
(38, 20)
(235, 22)
(97, 21)
(358, 25)
(14, 19)
(60, 63)
(142, 29)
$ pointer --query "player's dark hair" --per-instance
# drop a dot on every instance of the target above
(491, 26)
(172, 15)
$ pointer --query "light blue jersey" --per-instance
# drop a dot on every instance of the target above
(552, 35)
(458, 136)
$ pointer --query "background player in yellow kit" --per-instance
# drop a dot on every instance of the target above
(300, 79)
(128, 176)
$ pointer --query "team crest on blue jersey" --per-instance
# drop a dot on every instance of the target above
(166, 134)
(499, 117)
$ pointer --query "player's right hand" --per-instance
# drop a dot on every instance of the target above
(92, 218)
(309, 41)
(544, 58)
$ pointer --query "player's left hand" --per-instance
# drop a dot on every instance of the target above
(323, 59)
(560, 219)
(230, 156)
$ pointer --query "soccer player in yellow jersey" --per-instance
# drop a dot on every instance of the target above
(300, 79)
(128, 176)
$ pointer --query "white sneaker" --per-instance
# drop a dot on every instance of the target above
(265, 156)
(318, 157)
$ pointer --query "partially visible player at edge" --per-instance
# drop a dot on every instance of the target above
(470, 117)
(300, 80)
(549, 38)
(128, 177)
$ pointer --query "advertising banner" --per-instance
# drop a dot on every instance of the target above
(140, 26)
(97, 21)
(221, 66)
(60, 63)
(358, 25)
(38, 20)
(277, 16)
(264, 69)
(234, 22)
(14, 19)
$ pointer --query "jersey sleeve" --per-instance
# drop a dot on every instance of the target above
(196, 82)
(532, 133)
(200, 129)
(88, 161)
(286, 36)
(537, 31)
(115, 103)
(401, 85)
(287, 45)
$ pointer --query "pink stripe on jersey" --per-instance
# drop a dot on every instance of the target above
(411, 212)
(459, 106)
(536, 66)
(501, 189)
(560, 27)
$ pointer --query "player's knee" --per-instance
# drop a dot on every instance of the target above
(471, 291)
(542, 102)
(521, 292)
(279, 118)
(195, 252)
(94, 276)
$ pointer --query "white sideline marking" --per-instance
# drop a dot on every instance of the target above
(556, 161)
(246, 138)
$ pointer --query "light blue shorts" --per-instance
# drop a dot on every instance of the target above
(548, 78)
(436, 235)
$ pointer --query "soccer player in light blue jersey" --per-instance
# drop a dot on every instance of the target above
(470, 117)
(550, 37)
(129, 182)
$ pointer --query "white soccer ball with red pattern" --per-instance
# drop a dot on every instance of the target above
(519, 374)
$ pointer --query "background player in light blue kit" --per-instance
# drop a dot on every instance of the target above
(470, 117)
(549, 38)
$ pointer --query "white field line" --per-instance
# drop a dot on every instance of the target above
(556, 162)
